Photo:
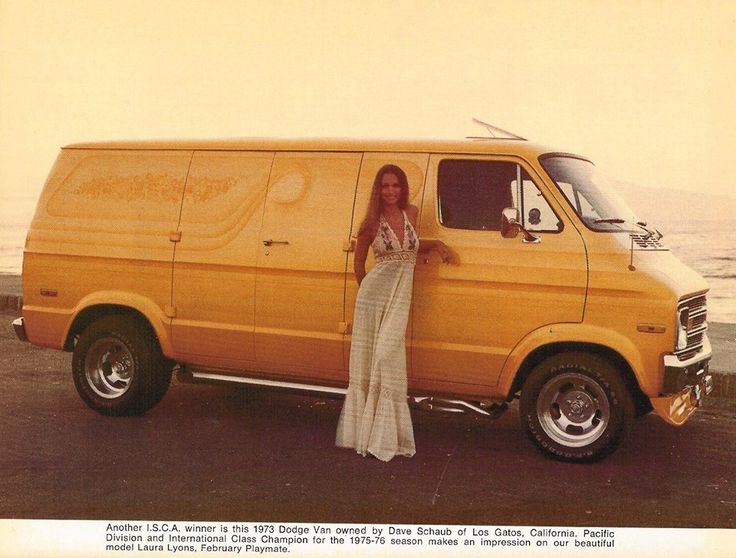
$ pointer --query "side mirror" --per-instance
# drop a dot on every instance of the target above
(510, 222)
(510, 227)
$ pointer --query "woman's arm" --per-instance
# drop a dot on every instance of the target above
(426, 245)
(361, 252)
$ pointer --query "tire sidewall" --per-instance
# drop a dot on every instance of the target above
(605, 375)
(142, 350)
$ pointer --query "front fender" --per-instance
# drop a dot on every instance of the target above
(577, 333)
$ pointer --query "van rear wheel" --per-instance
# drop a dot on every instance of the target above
(576, 407)
(118, 368)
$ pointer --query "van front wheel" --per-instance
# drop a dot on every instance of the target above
(576, 407)
(118, 368)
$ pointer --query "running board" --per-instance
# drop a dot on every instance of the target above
(189, 375)
(492, 410)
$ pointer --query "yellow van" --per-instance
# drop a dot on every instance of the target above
(233, 259)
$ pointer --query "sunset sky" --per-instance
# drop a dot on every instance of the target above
(644, 88)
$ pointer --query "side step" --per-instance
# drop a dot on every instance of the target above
(195, 376)
(491, 409)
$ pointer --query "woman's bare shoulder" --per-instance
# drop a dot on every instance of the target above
(412, 211)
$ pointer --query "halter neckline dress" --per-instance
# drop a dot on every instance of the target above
(375, 416)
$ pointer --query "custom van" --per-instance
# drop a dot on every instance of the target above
(232, 261)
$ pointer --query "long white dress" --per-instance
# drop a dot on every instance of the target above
(375, 416)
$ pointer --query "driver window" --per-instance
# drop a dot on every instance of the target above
(536, 214)
(472, 195)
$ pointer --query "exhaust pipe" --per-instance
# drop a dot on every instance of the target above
(491, 410)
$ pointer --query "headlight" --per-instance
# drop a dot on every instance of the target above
(683, 315)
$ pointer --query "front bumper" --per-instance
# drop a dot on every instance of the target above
(20, 329)
(686, 382)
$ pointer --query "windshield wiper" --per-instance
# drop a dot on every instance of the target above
(641, 224)
(612, 221)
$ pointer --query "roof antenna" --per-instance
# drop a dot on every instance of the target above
(494, 130)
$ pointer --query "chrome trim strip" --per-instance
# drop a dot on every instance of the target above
(424, 402)
(684, 301)
(671, 361)
(698, 310)
(696, 331)
(267, 383)
(696, 307)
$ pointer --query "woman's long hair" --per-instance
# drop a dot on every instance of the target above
(375, 206)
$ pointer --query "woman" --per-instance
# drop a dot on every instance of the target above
(375, 416)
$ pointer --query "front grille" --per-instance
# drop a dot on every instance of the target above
(697, 325)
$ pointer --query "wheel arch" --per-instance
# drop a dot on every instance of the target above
(93, 310)
(541, 353)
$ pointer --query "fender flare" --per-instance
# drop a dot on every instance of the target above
(147, 308)
(570, 334)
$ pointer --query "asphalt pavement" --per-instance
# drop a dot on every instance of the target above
(221, 453)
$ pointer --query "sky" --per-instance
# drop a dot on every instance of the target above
(643, 88)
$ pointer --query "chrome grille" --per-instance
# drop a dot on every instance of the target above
(697, 325)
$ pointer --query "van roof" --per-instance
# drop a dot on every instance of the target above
(471, 145)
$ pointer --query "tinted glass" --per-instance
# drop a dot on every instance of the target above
(472, 194)
(590, 194)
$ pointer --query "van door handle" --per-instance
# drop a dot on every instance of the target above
(270, 242)
(349, 245)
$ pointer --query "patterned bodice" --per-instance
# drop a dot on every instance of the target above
(386, 245)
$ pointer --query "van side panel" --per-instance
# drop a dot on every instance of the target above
(215, 268)
(469, 315)
(300, 284)
(103, 222)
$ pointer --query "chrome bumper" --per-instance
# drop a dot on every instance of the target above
(686, 382)
(691, 373)
(20, 329)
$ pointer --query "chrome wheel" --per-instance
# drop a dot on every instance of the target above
(118, 367)
(573, 409)
(109, 367)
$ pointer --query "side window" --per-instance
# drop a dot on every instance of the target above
(472, 194)
(536, 214)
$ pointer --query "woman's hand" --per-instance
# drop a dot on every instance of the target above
(444, 251)
(427, 245)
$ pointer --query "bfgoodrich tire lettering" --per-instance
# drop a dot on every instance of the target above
(576, 407)
(118, 368)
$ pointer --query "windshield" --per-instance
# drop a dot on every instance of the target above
(589, 194)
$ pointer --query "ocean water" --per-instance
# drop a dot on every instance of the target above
(709, 247)
(15, 216)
